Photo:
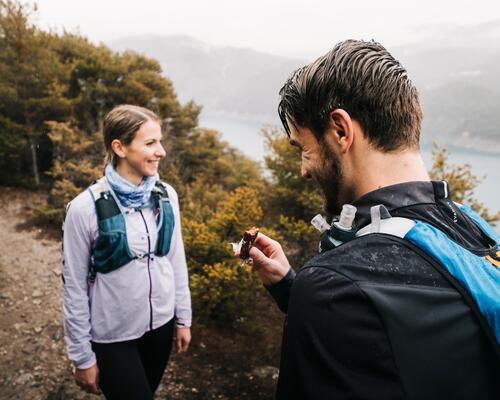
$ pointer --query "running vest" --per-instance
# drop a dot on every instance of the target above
(476, 277)
(111, 250)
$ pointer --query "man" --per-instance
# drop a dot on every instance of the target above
(376, 317)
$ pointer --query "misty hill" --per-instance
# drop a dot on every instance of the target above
(224, 79)
(457, 72)
(455, 69)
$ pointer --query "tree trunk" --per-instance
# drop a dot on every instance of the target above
(34, 160)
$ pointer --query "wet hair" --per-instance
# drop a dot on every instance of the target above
(366, 81)
(122, 123)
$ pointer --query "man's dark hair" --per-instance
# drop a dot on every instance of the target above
(363, 79)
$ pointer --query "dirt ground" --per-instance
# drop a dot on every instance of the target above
(33, 362)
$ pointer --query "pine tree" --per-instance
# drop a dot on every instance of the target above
(31, 85)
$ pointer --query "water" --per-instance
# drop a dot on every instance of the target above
(482, 164)
(244, 135)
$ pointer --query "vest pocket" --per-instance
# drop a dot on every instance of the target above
(111, 249)
(166, 230)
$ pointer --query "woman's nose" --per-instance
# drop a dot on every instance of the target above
(160, 151)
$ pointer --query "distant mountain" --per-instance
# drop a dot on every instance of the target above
(458, 75)
(456, 70)
(225, 79)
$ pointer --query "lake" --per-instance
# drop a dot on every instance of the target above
(244, 135)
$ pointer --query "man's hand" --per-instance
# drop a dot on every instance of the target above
(182, 339)
(88, 379)
(269, 260)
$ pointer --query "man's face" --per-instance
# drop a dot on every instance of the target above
(319, 163)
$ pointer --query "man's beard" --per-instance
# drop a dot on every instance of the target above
(329, 178)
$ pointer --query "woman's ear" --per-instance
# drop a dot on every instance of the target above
(118, 148)
(340, 129)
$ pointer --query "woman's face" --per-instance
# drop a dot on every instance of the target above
(142, 156)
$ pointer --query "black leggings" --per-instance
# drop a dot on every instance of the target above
(132, 370)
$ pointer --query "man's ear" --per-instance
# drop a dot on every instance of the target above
(340, 129)
(118, 148)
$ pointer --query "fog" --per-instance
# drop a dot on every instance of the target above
(295, 28)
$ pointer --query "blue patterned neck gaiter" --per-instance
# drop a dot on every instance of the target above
(127, 193)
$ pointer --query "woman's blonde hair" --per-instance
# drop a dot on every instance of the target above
(122, 123)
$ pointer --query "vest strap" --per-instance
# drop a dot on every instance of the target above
(382, 222)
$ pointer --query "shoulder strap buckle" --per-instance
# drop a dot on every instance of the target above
(100, 189)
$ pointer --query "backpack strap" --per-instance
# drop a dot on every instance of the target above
(465, 294)
(160, 191)
(382, 222)
(106, 207)
(165, 220)
(104, 201)
(159, 194)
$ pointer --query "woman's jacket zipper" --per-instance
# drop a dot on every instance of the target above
(149, 274)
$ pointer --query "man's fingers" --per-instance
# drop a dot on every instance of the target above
(258, 257)
(268, 246)
(262, 240)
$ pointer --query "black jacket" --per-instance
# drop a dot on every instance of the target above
(376, 318)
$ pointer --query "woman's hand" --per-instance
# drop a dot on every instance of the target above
(182, 339)
(88, 379)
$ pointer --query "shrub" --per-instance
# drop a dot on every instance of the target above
(225, 293)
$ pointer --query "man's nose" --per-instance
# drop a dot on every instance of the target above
(304, 173)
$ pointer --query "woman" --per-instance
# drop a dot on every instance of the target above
(124, 268)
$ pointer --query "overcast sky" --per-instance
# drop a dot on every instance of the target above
(286, 27)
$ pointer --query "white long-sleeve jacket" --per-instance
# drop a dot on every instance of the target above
(129, 301)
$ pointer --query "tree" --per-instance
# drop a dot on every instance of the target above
(77, 162)
(461, 180)
(100, 79)
(31, 83)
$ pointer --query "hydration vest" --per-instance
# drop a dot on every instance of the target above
(476, 277)
(111, 250)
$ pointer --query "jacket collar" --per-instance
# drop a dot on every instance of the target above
(396, 197)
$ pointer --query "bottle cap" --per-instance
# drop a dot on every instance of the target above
(347, 216)
(319, 222)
